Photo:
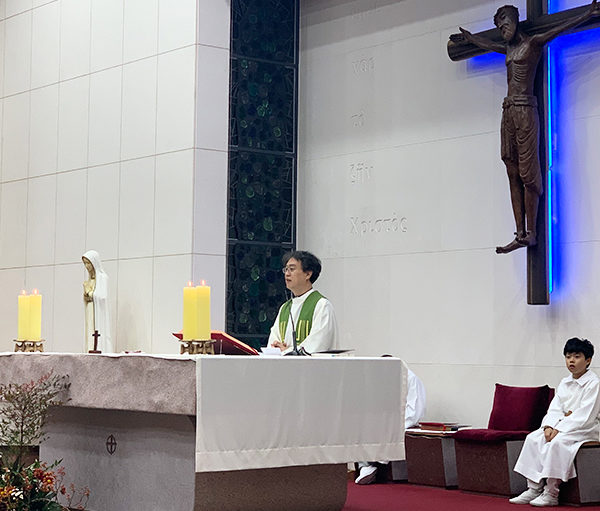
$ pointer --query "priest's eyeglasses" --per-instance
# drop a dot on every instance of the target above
(288, 269)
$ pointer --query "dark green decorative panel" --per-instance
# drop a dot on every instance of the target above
(264, 29)
(261, 194)
(256, 288)
(262, 105)
(262, 162)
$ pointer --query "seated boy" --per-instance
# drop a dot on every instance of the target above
(548, 454)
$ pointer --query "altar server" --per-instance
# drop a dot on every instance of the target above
(308, 312)
(548, 454)
(414, 412)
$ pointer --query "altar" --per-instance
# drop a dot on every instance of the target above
(171, 433)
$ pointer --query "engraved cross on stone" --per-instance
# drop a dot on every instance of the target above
(539, 25)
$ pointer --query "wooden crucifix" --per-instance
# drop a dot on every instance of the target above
(523, 146)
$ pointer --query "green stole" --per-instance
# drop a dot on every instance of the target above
(304, 322)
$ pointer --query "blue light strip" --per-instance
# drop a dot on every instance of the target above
(552, 7)
(550, 153)
(554, 56)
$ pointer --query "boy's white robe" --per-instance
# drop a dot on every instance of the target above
(540, 459)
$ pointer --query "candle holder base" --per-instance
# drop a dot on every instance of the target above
(28, 346)
(198, 347)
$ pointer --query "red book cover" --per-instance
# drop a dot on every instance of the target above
(226, 344)
(439, 426)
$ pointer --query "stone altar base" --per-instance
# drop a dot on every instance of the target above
(315, 487)
(152, 467)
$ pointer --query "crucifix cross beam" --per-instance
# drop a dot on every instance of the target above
(523, 143)
(537, 22)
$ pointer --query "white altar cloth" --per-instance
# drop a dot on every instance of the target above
(263, 412)
(251, 412)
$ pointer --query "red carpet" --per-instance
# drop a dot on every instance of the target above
(408, 497)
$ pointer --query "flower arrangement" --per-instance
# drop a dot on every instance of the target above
(38, 487)
(27, 485)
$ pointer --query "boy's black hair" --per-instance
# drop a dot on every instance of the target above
(577, 345)
(308, 261)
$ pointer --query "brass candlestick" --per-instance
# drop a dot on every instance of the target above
(198, 347)
(26, 345)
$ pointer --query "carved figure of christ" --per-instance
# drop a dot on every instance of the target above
(523, 44)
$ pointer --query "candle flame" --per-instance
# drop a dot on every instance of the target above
(190, 283)
(23, 292)
(204, 283)
(35, 292)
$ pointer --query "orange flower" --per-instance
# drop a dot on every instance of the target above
(6, 492)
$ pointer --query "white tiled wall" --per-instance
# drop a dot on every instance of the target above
(15, 133)
(113, 140)
(390, 128)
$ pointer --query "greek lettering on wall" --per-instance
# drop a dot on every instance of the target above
(363, 65)
(360, 172)
(358, 120)
(373, 226)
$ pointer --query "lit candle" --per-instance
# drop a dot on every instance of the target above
(203, 311)
(23, 317)
(190, 313)
(35, 316)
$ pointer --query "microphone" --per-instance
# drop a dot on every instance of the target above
(294, 340)
(295, 351)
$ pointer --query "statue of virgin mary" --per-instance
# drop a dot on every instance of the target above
(95, 299)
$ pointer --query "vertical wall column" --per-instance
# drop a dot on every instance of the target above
(210, 152)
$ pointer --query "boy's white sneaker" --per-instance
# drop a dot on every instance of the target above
(545, 500)
(526, 497)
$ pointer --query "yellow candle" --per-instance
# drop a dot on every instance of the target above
(203, 311)
(35, 316)
(23, 317)
(190, 313)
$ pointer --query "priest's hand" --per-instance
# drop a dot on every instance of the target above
(281, 345)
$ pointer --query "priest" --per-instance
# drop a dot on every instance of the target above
(307, 313)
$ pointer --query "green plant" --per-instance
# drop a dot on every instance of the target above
(23, 413)
(24, 409)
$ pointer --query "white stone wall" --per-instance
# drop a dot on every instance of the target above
(403, 195)
(114, 138)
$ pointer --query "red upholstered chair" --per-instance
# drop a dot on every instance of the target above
(485, 458)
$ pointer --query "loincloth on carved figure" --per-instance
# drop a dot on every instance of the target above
(519, 135)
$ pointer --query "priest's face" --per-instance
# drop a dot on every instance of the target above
(296, 279)
(577, 364)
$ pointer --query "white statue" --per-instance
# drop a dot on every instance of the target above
(95, 299)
